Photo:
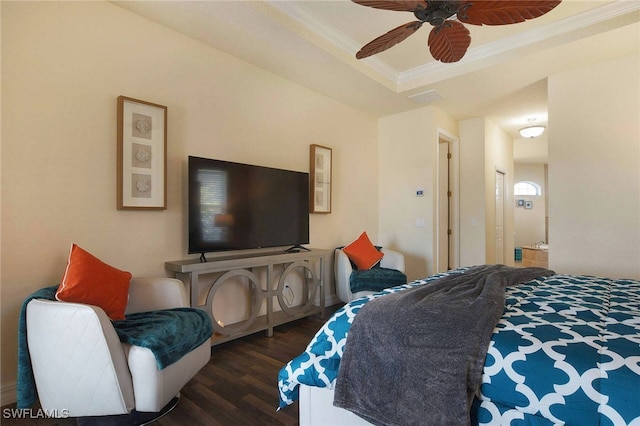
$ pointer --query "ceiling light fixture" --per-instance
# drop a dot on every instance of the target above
(532, 131)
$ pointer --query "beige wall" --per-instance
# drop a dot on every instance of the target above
(484, 149)
(529, 224)
(472, 192)
(498, 157)
(594, 169)
(63, 66)
(408, 161)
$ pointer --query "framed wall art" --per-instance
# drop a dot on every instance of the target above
(142, 155)
(320, 179)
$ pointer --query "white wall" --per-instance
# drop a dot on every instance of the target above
(63, 66)
(407, 161)
(530, 223)
(594, 169)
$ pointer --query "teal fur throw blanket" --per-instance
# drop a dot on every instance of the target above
(169, 334)
(26, 386)
(375, 279)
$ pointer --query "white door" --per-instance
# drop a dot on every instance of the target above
(499, 217)
(444, 211)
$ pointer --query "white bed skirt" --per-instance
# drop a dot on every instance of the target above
(316, 409)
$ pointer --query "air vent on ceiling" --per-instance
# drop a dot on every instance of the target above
(426, 97)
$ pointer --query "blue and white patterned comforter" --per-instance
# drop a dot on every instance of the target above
(566, 351)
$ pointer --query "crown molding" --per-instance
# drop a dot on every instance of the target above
(521, 40)
(336, 37)
(475, 58)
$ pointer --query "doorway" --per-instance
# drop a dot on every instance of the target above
(446, 196)
(444, 207)
(500, 191)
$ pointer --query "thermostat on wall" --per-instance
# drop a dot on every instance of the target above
(420, 192)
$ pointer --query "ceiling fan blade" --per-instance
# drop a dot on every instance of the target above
(503, 12)
(389, 39)
(398, 5)
(449, 42)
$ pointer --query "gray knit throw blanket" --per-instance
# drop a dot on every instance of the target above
(416, 357)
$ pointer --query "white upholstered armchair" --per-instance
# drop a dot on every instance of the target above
(343, 270)
(81, 368)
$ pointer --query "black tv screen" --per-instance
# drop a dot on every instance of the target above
(234, 206)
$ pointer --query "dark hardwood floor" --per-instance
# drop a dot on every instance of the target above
(238, 386)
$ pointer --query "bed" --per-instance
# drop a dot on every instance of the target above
(565, 350)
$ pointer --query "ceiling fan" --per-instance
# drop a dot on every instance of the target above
(449, 38)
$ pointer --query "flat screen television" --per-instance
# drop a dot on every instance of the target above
(235, 206)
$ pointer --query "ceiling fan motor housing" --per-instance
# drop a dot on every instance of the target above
(437, 12)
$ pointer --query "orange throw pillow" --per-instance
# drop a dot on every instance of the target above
(89, 280)
(363, 253)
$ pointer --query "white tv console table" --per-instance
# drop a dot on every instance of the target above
(189, 271)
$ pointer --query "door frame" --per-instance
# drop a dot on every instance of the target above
(502, 172)
(454, 202)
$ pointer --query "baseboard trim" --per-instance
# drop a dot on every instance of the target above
(331, 300)
(8, 394)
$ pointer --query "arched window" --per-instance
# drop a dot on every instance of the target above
(526, 188)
